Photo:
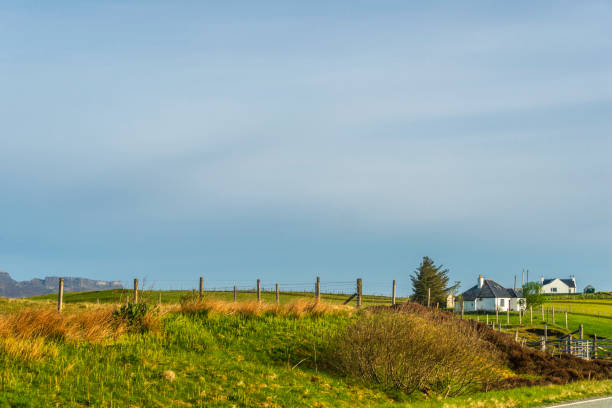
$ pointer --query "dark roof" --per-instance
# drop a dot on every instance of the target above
(490, 289)
(516, 293)
(569, 282)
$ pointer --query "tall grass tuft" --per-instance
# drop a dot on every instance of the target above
(86, 325)
(28, 349)
(296, 308)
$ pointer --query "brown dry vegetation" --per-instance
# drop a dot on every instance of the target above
(297, 308)
(410, 352)
(94, 325)
(533, 366)
(548, 369)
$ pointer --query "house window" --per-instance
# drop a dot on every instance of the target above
(553, 290)
(501, 302)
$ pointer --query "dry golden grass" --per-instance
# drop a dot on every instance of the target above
(297, 308)
(91, 325)
(28, 349)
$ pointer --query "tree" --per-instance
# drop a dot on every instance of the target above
(432, 277)
(532, 292)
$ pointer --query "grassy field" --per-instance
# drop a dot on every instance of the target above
(600, 326)
(197, 360)
(601, 307)
(175, 297)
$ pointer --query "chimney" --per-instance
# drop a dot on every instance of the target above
(480, 281)
(573, 279)
(542, 279)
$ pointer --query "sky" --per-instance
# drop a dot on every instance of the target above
(288, 140)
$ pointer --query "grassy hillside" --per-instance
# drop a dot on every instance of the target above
(197, 358)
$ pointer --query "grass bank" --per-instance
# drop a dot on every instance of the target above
(209, 354)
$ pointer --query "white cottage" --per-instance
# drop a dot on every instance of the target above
(557, 285)
(490, 296)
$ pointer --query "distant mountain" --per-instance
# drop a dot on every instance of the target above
(12, 288)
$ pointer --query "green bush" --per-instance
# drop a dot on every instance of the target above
(137, 317)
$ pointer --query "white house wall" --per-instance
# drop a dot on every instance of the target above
(559, 285)
(489, 305)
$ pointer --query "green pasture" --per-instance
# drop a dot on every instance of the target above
(176, 296)
(601, 326)
(601, 307)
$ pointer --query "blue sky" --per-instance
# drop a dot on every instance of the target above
(286, 140)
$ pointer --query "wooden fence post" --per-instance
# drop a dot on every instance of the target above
(545, 331)
(516, 335)
(542, 343)
(508, 315)
(496, 315)
(487, 319)
(135, 291)
(235, 293)
(277, 295)
(318, 289)
(594, 346)
(566, 327)
(359, 292)
(520, 317)
(60, 295)
(530, 314)
(428, 297)
(581, 331)
(259, 290)
(543, 319)
(553, 315)
(393, 293)
(462, 309)
(201, 287)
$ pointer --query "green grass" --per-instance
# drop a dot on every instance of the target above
(601, 326)
(175, 297)
(601, 307)
(219, 360)
(522, 397)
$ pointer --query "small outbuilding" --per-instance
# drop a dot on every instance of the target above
(589, 289)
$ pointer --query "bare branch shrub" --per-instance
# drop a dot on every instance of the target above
(408, 352)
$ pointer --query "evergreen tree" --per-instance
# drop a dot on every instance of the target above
(430, 276)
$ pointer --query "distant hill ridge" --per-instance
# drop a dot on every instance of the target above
(12, 288)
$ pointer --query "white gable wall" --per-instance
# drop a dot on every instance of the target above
(557, 286)
(489, 305)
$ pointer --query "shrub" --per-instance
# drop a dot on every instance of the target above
(139, 317)
(408, 352)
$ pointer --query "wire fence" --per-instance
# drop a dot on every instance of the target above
(370, 287)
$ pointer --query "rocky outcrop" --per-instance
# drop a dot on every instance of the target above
(12, 288)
